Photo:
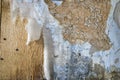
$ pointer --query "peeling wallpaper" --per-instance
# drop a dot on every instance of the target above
(83, 49)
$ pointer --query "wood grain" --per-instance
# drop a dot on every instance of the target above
(19, 62)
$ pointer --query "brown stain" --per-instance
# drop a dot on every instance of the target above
(73, 15)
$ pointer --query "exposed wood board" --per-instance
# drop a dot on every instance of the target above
(19, 61)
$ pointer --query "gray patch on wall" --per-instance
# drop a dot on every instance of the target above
(116, 14)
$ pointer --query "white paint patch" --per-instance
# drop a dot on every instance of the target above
(33, 29)
(57, 2)
(38, 16)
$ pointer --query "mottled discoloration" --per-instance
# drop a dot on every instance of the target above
(84, 20)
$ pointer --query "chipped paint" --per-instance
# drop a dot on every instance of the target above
(63, 60)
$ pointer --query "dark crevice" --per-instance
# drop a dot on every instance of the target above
(1, 58)
(4, 39)
(17, 49)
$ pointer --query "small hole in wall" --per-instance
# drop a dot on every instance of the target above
(4, 39)
(17, 49)
(1, 58)
(79, 54)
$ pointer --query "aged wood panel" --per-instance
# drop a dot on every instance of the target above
(0, 18)
(18, 61)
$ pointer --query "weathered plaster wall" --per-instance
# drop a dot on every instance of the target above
(81, 38)
(83, 21)
(92, 22)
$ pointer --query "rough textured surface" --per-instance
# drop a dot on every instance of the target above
(83, 21)
(75, 48)
(18, 61)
